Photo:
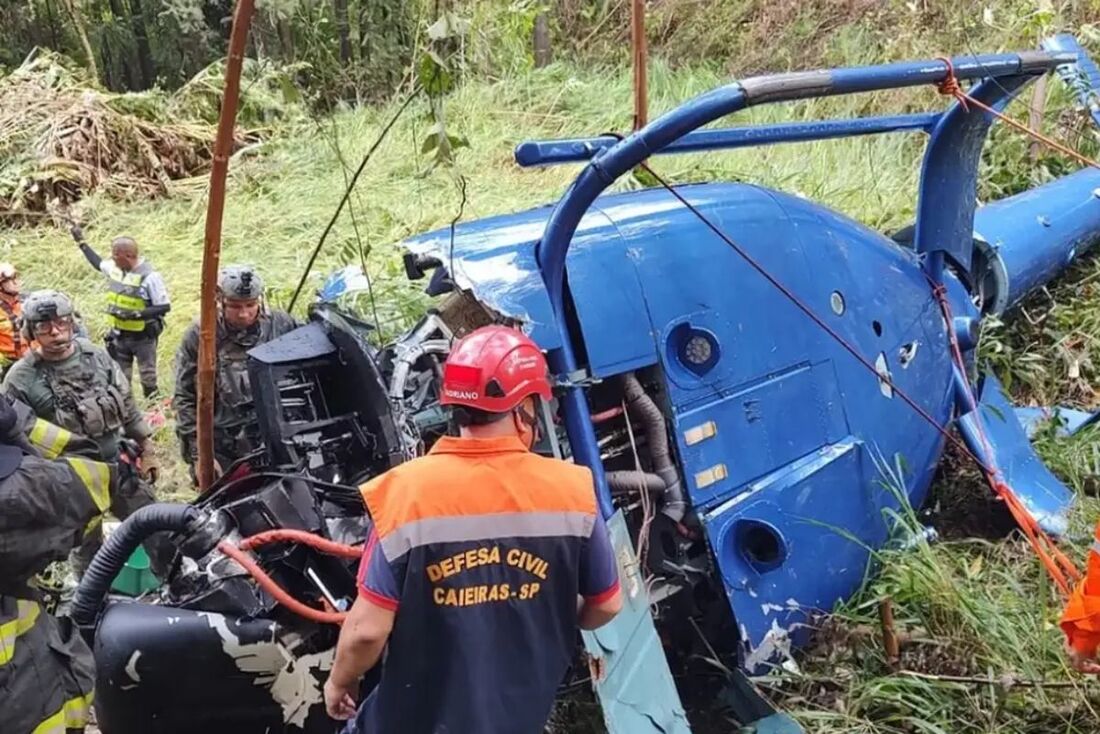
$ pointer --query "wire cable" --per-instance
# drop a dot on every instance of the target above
(347, 193)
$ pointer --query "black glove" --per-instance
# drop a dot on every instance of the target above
(9, 419)
(77, 233)
(11, 427)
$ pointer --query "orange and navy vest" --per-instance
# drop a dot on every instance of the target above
(482, 549)
(12, 344)
(1081, 617)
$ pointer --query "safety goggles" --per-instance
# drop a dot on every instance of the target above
(59, 324)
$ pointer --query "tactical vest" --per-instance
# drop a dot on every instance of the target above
(12, 345)
(125, 296)
(84, 399)
(234, 388)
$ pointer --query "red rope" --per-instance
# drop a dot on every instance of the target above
(796, 301)
(1056, 563)
(950, 87)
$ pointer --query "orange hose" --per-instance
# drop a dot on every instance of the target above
(281, 595)
(286, 535)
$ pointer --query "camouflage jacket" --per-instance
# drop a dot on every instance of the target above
(85, 394)
(234, 413)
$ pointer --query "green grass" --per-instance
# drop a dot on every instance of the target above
(975, 608)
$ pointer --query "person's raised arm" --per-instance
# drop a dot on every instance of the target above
(89, 254)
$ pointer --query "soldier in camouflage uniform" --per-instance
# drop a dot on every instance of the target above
(74, 384)
(243, 322)
(46, 670)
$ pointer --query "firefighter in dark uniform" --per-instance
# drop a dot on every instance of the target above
(243, 322)
(136, 306)
(72, 383)
(49, 505)
(483, 560)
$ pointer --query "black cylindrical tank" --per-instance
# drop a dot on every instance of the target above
(169, 670)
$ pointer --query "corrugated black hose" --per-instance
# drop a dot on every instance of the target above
(644, 408)
(110, 559)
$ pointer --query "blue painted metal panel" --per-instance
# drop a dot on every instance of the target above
(1035, 235)
(782, 545)
(949, 175)
(632, 678)
(551, 152)
(668, 265)
(760, 415)
(1048, 500)
(494, 257)
(1070, 420)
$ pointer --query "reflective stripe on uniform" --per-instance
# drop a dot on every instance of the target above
(94, 525)
(73, 714)
(96, 477)
(462, 528)
(26, 615)
(49, 438)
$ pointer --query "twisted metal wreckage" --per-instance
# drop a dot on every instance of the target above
(735, 365)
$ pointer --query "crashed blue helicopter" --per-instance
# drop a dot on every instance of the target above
(733, 363)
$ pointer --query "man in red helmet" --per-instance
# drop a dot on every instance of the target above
(483, 560)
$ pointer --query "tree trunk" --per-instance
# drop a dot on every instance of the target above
(55, 43)
(109, 80)
(82, 32)
(641, 54)
(144, 52)
(542, 40)
(364, 31)
(286, 39)
(340, 7)
(126, 59)
(1036, 113)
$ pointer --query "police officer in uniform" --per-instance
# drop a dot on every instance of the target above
(136, 306)
(68, 381)
(243, 322)
(46, 670)
(483, 561)
(12, 344)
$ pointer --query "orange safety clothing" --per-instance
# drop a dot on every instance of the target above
(481, 548)
(12, 344)
(1081, 617)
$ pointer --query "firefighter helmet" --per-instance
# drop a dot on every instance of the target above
(8, 272)
(240, 281)
(493, 369)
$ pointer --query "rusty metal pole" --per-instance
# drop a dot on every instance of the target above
(212, 242)
(640, 52)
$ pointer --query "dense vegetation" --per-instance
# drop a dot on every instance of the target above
(978, 620)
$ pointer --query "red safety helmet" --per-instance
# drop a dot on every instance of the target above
(493, 369)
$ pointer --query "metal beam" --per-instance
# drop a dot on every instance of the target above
(573, 150)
